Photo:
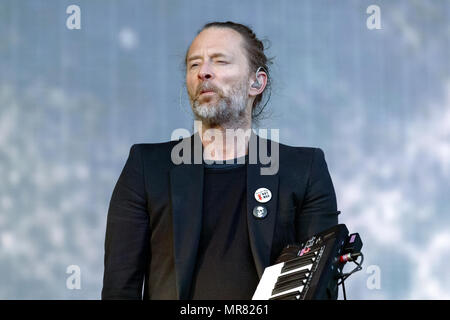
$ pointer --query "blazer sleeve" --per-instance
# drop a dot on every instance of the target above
(319, 209)
(127, 233)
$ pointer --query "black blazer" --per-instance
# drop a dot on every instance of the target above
(155, 214)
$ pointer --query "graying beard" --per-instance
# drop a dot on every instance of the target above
(225, 112)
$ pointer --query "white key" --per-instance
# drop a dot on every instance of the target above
(267, 282)
(269, 279)
(307, 267)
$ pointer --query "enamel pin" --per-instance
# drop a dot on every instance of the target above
(263, 195)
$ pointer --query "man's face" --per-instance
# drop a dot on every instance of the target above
(217, 76)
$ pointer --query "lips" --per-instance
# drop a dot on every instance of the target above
(207, 89)
(206, 94)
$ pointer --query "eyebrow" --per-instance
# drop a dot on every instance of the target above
(214, 55)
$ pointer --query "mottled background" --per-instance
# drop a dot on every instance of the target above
(72, 102)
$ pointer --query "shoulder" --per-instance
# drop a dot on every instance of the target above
(299, 153)
(299, 160)
(156, 156)
(150, 148)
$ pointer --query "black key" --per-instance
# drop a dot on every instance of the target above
(300, 259)
(291, 277)
(288, 296)
(305, 256)
(297, 264)
(289, 285)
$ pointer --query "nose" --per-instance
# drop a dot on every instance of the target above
(205, 72)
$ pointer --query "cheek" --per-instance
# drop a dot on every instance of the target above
(235, 85)
(190, 85)
(229, 82)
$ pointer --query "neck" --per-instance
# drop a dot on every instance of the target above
(227, 140)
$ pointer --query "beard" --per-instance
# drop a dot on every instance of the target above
(220, 109)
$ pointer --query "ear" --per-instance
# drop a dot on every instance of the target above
(262, 79)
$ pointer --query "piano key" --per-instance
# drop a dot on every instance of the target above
(267, 282)
(297, 264)
(301, 258)
(290, 296)
(289, 285)
(305, 256)
(289, 293)
(307, 267)
(292, 277)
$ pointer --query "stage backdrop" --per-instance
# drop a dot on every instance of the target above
(81, 81)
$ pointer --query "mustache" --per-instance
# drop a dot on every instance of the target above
(207, 86)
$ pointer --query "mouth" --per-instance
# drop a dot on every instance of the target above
(207, 92)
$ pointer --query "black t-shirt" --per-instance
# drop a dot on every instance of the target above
(225, 268)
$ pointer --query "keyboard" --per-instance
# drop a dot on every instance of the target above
(306, 271)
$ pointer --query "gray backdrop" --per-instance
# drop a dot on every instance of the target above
(72, 102)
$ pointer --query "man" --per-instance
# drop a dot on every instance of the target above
(206, 229)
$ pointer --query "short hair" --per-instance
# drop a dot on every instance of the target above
(255, 57)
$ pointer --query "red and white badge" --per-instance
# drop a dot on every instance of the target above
(263, 195)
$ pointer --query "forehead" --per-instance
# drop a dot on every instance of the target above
(217, 40)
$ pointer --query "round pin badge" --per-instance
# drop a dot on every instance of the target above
(259, 212)
(263, 195)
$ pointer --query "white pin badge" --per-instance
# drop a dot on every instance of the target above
(263, 195)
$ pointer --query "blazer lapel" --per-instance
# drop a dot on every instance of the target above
(261, 230)
(186, 183)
